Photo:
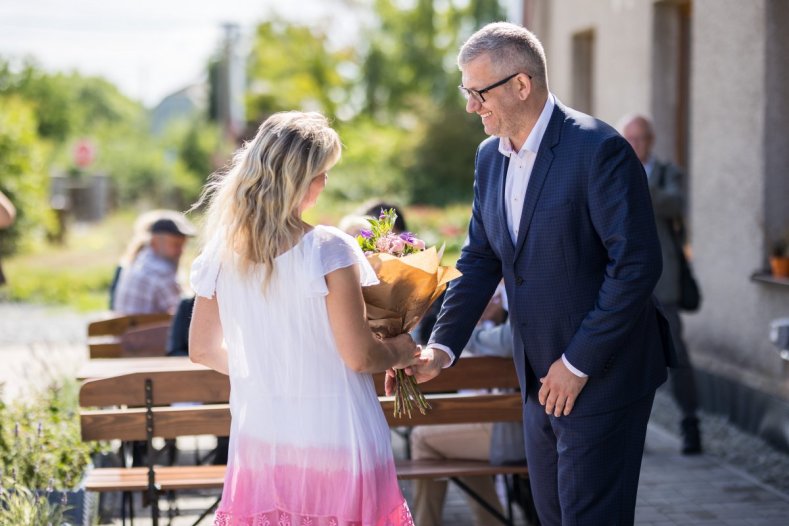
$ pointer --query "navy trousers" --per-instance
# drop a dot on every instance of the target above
(584, 470)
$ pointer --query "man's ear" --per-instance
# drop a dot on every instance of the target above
(524, 84)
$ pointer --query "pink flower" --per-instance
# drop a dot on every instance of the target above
(397, 246)
(418, 244)
(382, 245)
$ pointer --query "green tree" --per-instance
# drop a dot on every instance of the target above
(67, 105)
(293, 66)
(412, 51)
(194, 149)
(410, 76)
(399, 112)
(442, 171)
(22, 174)
(159, 171)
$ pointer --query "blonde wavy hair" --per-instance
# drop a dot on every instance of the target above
(255, 204)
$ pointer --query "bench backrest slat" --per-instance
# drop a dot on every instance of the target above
(478, 372)
(206, 386)
(117, 325)
(460, 409)
(169, 422)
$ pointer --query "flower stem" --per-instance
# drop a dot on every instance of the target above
(406, 394)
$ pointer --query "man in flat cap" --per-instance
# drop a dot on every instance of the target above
(147, 283)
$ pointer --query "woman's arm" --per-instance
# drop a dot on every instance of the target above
(7, 211)
(358, 347)
(206, 341)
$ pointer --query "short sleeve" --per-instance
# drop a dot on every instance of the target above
(332, 249)
(205, 269)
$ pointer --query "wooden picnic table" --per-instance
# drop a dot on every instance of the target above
(105, 367)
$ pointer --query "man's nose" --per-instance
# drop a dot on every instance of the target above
(472, 105)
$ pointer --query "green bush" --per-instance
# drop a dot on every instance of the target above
(21, 506)
(40, 442)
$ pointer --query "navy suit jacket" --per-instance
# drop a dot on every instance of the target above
(579, 279)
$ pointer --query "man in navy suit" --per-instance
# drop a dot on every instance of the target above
(562, 212)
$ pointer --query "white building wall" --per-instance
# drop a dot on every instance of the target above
(729, 130)
(735, 154)
(621, 57)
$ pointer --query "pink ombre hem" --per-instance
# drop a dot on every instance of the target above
(288, 485)
(400, 516)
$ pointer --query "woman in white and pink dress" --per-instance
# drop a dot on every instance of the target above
(279, 309)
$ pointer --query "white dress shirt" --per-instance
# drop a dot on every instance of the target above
(520, 167)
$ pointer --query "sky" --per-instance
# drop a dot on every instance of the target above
(148, 48)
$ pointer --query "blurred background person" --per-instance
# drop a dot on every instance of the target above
(7, 218)
(667, 188)
(353, 224)
(7, 211)
(147, 281)
(374, 208)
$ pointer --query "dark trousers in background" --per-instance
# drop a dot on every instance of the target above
(682, 379)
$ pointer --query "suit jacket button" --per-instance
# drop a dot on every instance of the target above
(519, 281)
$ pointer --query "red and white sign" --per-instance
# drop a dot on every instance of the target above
(84, 153)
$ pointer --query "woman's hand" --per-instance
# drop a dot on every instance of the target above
(406, 351)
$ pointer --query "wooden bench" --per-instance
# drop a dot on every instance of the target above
(117, 336)
(137, 406)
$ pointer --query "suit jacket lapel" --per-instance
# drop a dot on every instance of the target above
(539, 173)
(507, 246)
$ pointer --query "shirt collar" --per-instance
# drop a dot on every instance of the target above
(649, 165)
(534, 139)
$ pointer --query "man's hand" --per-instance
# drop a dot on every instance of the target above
(560, 389)
(432, 361)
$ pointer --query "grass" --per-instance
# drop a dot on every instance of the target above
(78, 273)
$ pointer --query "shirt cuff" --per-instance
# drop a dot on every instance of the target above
(445, 349)
(573, 370)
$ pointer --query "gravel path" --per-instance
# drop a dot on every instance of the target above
(22, 324)
(39, 345)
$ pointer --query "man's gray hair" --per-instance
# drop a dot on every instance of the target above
(511, 48)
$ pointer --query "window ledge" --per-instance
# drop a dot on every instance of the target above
(766, 277)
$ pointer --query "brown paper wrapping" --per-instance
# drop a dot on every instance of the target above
(408, 286)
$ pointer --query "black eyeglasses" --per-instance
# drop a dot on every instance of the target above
(478, 94)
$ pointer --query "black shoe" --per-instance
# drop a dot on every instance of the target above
(691, 437)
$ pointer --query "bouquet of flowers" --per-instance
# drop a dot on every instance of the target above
(411, 279)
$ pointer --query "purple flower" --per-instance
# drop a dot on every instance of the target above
(366, 234)
(408, 237)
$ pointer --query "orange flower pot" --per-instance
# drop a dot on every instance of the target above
(780, 266)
